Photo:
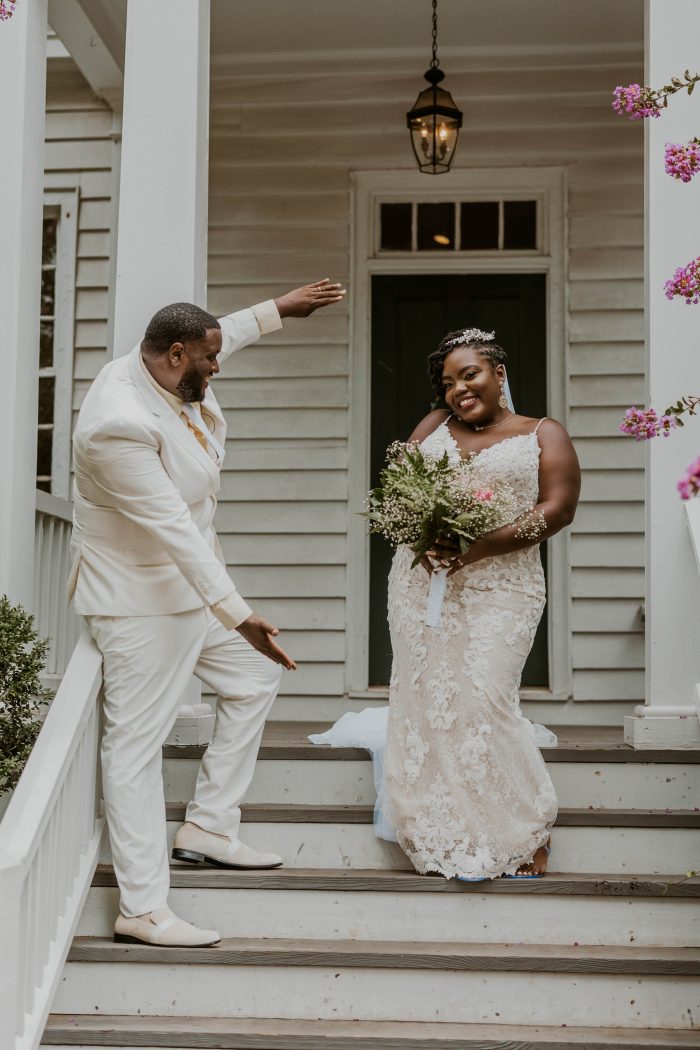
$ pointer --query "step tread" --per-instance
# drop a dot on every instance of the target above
(289, 740)
(294, 813)
(276, 1034)
(387, 880)
(420, 955)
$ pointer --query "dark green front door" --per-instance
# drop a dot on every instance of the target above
(410, 315)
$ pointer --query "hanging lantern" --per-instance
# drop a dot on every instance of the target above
(434, 121)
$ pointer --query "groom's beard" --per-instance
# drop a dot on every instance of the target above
(191, 387)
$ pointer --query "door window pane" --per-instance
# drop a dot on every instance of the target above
(436, 227)
(43, 457)
(46, 399)
(46, 344)
(396, 227)
(48, 251)
(479, 226)
(48, 286)
(520, 224)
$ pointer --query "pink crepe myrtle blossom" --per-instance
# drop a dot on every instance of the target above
(685, 283)
(638, 102)
(682, 162)
(644, 424)
(689, 484)
(484, 495)
(7, 9)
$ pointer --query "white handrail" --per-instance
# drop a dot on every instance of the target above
(50, 839)
(54, 618)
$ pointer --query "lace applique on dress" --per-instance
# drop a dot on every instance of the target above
(469, 791)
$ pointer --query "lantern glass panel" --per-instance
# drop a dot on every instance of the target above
(520, 224)
(436, 227)
(479, 226)
(395, 227)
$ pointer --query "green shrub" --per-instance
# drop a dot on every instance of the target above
(22, 659)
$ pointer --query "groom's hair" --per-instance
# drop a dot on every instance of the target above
(177, 323)
(493, 353)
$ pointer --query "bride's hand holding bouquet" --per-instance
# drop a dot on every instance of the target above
(437, 507)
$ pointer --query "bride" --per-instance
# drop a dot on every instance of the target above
(465, 786)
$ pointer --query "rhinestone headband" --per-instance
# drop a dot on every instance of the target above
(471, 335)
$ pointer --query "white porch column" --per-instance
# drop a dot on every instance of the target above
(162, 230)
(669, 717)
(22, 90)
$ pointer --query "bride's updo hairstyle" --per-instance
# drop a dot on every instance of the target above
(482, 342)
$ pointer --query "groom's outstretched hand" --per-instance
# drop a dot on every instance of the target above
(259, 633)
(303, 301)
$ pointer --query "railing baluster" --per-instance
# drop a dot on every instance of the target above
(51, 832)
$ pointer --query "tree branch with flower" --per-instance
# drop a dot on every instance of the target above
(681, 162)
(7, 9)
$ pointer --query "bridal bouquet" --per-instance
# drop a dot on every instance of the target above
(423, 500)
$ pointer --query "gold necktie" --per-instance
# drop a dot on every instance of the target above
(196, 431)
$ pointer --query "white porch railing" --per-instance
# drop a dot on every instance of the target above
(692, 509)
(54, 618)
(49, 844)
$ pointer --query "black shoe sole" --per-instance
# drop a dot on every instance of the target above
(125, 938)
(190, 857)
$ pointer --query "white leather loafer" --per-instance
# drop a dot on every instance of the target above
(163, 929)
(197, 846)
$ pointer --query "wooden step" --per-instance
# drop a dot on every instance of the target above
(290, 813)
(665, 849)
(289, 740)
(403, 955)
(207, 1033)
(387, 881)
(558, 914)
(336, 985)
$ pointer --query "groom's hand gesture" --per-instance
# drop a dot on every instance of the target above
(259, 633)
(303, 301)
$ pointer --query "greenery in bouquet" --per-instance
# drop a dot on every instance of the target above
(423, 499)
(22, 659)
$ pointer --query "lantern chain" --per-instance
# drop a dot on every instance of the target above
(434, 63)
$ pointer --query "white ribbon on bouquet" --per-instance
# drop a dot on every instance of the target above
(438, 577)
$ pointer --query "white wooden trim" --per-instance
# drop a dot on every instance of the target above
(548, 185)
(86, 48)
(65, 203)
(54, 506)
(50, 841)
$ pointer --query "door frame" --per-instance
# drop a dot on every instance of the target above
(547, 185)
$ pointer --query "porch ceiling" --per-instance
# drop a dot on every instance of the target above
(315, 25)
(303, 27)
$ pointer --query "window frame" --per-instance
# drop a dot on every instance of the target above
(63, 205)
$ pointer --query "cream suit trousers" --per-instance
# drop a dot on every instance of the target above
(147, 663)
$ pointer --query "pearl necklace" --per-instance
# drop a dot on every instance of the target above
(487, 426)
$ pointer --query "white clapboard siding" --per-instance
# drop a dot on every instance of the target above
(280, 215)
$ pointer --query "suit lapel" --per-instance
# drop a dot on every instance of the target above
(168, 420)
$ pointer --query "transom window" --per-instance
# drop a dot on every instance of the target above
(459, 226)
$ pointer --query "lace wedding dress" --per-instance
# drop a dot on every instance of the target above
(465, 785)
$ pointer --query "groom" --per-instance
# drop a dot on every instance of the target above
(149, 576)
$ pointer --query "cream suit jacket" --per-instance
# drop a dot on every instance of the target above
(145, 492)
